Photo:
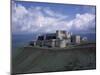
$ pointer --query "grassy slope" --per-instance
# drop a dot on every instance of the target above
(46, 60)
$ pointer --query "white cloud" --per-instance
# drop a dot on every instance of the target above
(52, 13)
(83, 21)
(32, 20)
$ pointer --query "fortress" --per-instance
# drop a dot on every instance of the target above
(60, 39)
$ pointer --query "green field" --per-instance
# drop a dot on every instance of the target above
(36, 59)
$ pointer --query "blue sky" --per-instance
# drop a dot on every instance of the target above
(36, 17)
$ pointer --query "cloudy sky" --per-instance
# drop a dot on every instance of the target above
(34, 17)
